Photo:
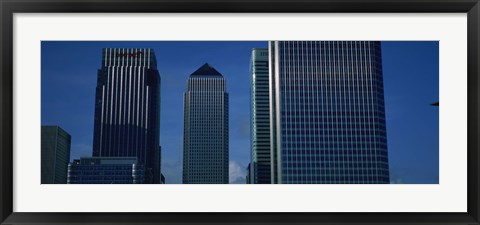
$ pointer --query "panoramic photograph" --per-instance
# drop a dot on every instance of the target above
(240, 112)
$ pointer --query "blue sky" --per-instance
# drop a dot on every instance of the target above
(410, 69)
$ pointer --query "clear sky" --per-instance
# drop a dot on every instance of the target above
(410, 70)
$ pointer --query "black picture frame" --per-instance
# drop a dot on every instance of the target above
(9, 7)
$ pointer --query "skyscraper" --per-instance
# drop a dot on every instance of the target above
(127, 108)
(205, 140)
(327, 112)
(260, 172)
(55, 155)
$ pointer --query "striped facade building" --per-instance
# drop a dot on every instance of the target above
(127, 108)
(259, 170)
(327, 112)
(205, 143)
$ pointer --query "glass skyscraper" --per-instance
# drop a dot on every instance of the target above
(127, 108)
(205, 140)
(259, 170)
(55, 153)
(327, 112)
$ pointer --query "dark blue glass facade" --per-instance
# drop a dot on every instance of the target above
(106, 170)
(328, 113)
(127, 108)
(55, 155)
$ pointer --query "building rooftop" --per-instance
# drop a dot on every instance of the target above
(206, 70)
